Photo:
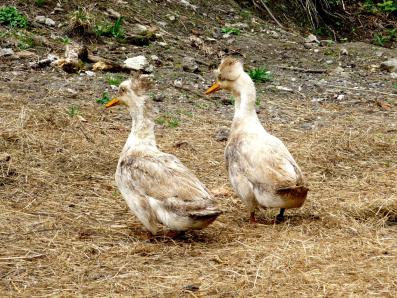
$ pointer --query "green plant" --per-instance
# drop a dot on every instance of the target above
(65, 40)
(230, 31)
(257, 101)
(40, 3)
(80, 16)
(104, 99)
(115, 79)
(25, 41)
(395, 86)
(260, 75)
(10, 16)
(112, 30)
(379, 40)
(389, 6)
(73, 111)
(167, 121)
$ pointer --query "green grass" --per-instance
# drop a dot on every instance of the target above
(387, 6)
(257, 101)
(395, 86)
(10, 16)
(230, 31)
(260, 75)
(114, 79)
(167, 121)
(25, 41)
(40, 3)
(73, 111)
(65, 40)
(385, 37)
(104, 99)
(111, 30)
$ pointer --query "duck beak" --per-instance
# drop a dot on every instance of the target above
(215, 87)
(112, 103)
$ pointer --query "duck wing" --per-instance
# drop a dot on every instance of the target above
(265, 162)
(163, 177)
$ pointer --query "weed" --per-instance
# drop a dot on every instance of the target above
(10, 16)
(80, 16)
(112, 30)
(201, 105)
(257, 101)
(385, 37)
(395, 86)
(230, 31)
(73, 111)
(40, 3)
(115, 79)
(104, 99)
(260, 75)
(25, 41)
(387, 6)
(167, 121)
(65, 40)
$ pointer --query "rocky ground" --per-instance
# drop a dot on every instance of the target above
(65, 230)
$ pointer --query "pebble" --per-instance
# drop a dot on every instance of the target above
(389, 65)
(222, 134)
(136, 63)
(6, 52)
(44, 20)
(189, 64)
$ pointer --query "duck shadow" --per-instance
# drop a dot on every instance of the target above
(293, 219)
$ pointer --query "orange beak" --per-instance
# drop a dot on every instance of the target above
(112, 103)
(215, 87)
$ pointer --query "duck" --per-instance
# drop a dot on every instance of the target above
(261, 169)
(157, 186)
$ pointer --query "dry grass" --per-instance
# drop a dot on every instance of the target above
(65, 230)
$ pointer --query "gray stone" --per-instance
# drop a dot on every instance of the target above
(222, 134)
(6, 52)
(311, 38)
(136, 63)
(189, 64)
(389, 65)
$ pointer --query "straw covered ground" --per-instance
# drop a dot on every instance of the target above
(66, 231)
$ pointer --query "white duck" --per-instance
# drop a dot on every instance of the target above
(261, 169)
(158, 188)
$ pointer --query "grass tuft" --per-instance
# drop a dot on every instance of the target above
(260, 75)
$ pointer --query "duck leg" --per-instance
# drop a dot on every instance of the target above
(252, 217)
(280, 216)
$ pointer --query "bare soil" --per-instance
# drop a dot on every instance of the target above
(66, 231)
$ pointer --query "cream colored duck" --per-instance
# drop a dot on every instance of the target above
(157, 187)
(261, 169)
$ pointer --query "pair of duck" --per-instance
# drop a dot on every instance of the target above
(158, 188)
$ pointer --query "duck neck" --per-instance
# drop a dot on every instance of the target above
(245, 95)
(142, 129)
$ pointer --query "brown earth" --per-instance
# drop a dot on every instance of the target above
(66, 231)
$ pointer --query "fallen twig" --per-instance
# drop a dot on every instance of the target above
(303, 69)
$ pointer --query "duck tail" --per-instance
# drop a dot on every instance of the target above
(295, 192)
(205, 215)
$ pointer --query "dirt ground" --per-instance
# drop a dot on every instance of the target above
(66, 231)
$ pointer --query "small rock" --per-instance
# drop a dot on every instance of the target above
(112, 13)
(222, 134)
(389, 65)
(25, 55)
(329, 61)
(136, 63)
(178, 83)
(171, 17)
(311, 38)
(49, 22)
(44, 20)
(393, 75)
(189, 64)
(6, 52)
(158, 97)
(90, 73)
(154, 58)
(344, 51)
(40, 19)
(162, 43)
(139, 29)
